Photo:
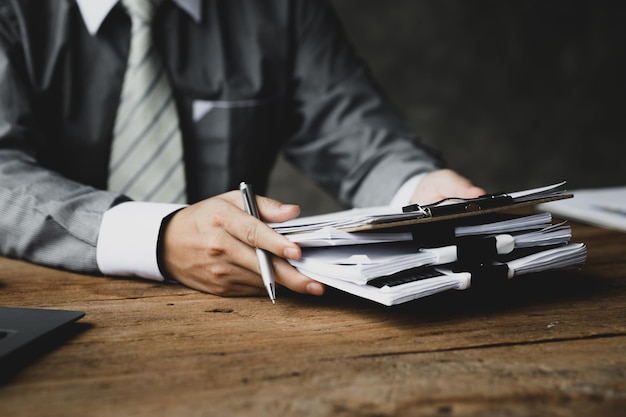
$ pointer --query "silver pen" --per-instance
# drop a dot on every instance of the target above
(265, 261)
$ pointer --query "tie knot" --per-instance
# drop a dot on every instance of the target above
(141, 10)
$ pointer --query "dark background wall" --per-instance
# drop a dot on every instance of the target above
(515, 94)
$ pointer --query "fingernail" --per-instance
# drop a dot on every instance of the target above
(291, 253)
(289, 207)
(315, 288)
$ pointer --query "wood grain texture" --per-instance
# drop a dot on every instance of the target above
(551, 344)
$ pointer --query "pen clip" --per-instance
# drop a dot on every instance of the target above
(248, 202)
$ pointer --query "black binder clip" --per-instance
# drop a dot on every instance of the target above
(455, 205)
(477, 255)
(489, 277)
(476, 250)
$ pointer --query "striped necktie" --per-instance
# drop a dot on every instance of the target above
(146, 160)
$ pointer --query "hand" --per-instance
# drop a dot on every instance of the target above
(444, 183)
(209, 246)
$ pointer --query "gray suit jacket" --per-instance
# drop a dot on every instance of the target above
(250, 79)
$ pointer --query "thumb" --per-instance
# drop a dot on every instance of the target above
(274, 211)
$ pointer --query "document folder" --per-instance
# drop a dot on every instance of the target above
(380, 218)
(454, 208)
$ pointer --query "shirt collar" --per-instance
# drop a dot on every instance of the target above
(94, 12)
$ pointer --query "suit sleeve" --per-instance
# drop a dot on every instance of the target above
(346, 135)
(45, 218)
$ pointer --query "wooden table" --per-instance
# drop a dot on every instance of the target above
(553, 344)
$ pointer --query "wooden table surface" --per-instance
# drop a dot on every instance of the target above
(552, 344)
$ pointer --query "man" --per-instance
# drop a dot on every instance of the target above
(245, 80)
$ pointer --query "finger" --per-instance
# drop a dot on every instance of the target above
(465, 189)
(271, 210)
(226, 286)
(445, 183)
(226, 280)
(244, 256)
(257, 234)
(274, 211)
(284, 273)
(459, 186)
(231, 289)
(245, 272)
(290, 277)
(471, 192)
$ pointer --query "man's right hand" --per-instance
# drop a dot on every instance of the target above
(210, 246)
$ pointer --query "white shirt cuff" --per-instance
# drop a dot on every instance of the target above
(127, 243)
(405, 193)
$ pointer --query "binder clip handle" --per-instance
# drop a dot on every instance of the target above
(456, 205)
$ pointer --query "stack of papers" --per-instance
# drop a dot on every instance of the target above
(329, 236)
(393, 264)
(361, 263)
